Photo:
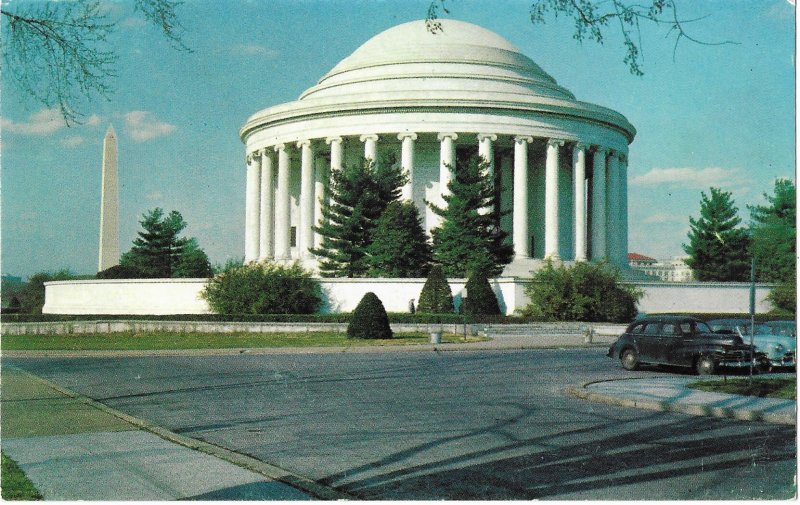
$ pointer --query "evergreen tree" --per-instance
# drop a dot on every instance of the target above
(773, 230)
(481, 299)
(718, 248)
(469, 238)
(358, 196)
(369, 319)
(436, 296)
(400, 247)
(159, 251)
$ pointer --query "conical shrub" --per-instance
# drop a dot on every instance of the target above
(369, 319)
(436, 296)
(481, 299)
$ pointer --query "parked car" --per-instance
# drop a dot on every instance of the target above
(776, 339)
(682, 341)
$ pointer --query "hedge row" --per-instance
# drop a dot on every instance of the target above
(272, 318)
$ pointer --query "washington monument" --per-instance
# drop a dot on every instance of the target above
(109, 204)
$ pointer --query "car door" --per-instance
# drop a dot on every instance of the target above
(672, 343)
(648, 342)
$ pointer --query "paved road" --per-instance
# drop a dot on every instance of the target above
(457, 425)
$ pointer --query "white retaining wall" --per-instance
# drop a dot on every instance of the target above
(182, 296)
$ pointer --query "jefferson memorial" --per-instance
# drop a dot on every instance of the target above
(560, 164)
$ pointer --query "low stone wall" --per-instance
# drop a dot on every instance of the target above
(182, 296)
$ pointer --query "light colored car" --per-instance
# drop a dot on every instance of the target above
(776, 339)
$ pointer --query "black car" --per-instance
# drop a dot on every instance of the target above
(682, 341)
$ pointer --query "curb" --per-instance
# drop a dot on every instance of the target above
(683, 408)
(270, 471)
(464, 347)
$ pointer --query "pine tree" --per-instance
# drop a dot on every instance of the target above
(718, 248)
(369, 319)
(773, 230)
(436, 296)
(358, 196)
(469, 238)
(159, 251)
(400, 247)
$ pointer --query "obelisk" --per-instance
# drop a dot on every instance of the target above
(109, 204)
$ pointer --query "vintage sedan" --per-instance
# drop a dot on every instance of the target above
(682, 341)
(776, 339)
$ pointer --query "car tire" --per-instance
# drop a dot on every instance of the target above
(629, 359)
(705, 366)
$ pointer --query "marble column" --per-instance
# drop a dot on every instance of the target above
(623, 218)
(305, 237)
(282, 225)
(321, 183)
(252, 207)
(267, 218)
(613, 207)
(447, 160)
(336, 152)
(522, 245)
(551, 232)
(599, 204)
(370, 146)
(407, 162)
(579, 171)
(486, 152)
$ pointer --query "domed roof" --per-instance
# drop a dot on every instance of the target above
(408, 59)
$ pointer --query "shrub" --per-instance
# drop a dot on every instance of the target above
(585, 292)
(481, 299)
(783, 298)
(436, 296)
(369, 319)
(263, 288)
(120, 272)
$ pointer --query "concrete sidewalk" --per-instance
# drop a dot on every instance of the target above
(670, 394)
(72, 448)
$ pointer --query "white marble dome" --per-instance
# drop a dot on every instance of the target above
(425, 98)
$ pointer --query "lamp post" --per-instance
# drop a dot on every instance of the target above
(464, 310)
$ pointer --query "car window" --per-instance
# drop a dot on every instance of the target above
(686, 328)
(639, 328)
(670, 330)
(651, 329)
(702, 327)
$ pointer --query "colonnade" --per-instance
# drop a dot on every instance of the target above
(600, 204)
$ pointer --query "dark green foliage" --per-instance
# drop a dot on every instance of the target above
(436, 296)
(263, 288)
(369, 319)
(400, 247)
(358, 196)
(718, 247)
(16, 485)
(585, 292)
(32, 294)
(120, 272)
(783, 297)
(159, 252)
(468, 239)
(481, 299)
(192, 262)
(773, 231)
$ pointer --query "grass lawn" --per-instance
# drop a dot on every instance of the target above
(783, 388)
(164, 341)
(16, 486)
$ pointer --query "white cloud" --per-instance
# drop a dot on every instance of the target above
(72, 141)
(254, 50)
(43, 122)
(156, 195)
(132, 23)
(142, 125)
(692, 177)
(93, 120)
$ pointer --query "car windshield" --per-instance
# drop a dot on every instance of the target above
(702, 327)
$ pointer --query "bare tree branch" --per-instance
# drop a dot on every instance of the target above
(592, 18)
(58, 53)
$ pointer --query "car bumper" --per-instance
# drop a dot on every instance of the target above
(736, 363)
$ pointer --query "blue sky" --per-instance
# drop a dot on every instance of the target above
(714, 116)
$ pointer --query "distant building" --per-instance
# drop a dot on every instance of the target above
(671, 270)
